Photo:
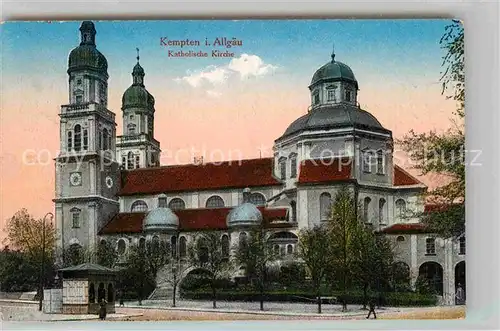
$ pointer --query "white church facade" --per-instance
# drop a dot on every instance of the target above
(113, 188)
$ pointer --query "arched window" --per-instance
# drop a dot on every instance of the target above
(131, 129)
(105, 139)
(257, 199)
(400, 209)
(176, 204)
(85, 139)
(137, 161)
(173, 243)
(139, 206)
(430, 246)
(130, 160)
(242, 240)
(70, 140)
(225, 245)
(111, 293)
(293, 165)
(78, 137)
(325, 204)
(400, 239)
(121, 247)
(282, 164)
(142, 243)
(382, 219)
(182, 247)
(91, 293)
(461, 248)
(366, 210)
(75, 217)
(380, 162)
(289, 249)
(214, 201)
(367, 161)
(162, 201)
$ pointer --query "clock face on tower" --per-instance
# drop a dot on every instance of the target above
(75, 179)
(109, 182)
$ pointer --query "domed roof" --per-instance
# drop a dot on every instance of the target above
(86, 56)
(244, 215)
(137, 96)
(161, 219)
(335, 116)
(334, 71)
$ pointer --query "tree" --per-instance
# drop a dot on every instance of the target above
(444, 153)
(254, 253)
(142, 265)
(314, 250)
(105, 254)
(206, 253)
(342, 226)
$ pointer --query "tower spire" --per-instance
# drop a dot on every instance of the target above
(137, 49)
(333, 52)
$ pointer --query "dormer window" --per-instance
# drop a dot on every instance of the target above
(331, 95)
(316, 98)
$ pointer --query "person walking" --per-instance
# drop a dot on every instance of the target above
(102, 309)
(371, 305)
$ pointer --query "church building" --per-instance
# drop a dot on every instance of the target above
(113, 188)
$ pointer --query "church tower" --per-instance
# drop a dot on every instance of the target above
(86, 168)
(137, 147)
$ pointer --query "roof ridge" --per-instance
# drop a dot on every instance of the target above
(215, 163)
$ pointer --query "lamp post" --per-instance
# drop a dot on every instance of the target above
(42, 264)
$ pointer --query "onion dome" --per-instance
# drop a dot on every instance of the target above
(161, 219)
(137, 95)
(334, 71)
(86, 56)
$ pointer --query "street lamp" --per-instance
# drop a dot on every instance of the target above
(42, 266)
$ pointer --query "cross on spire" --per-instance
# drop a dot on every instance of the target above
(137, 49)
(333, 52)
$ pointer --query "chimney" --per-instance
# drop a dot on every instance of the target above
(246, 195)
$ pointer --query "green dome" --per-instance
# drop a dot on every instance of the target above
(86, 56)
(334, 71)
(137, 96)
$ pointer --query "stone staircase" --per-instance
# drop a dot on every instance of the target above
(162, 293)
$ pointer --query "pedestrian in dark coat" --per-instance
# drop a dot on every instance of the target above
(371, 305)
(102, 309)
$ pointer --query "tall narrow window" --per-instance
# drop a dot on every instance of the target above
(79, 99)
(282, 163)
(380, 162)
(348, 95)
(366, 161)
(366, 210)
(461, 242)
(75, 217)
(137, 161)
(124, 162)
(182, 247)
(293, 165)
(400, 209)
(173, 242)
(85, 139)
(162, 201)
(430, 246)
(78, 137)
(242, 240)
(225, 245)
(70, 140)
(381, 211)
(105, 139)
(325, 202)
(316, 98)
(331, 95)
(130, 160)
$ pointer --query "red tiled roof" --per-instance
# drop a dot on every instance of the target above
(403, 178)
(189, 220)
(325, 170)
(190, 177)
(405, 228)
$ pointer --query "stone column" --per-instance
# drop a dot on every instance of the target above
(59, 218)
(414, 262)
(92, 131)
